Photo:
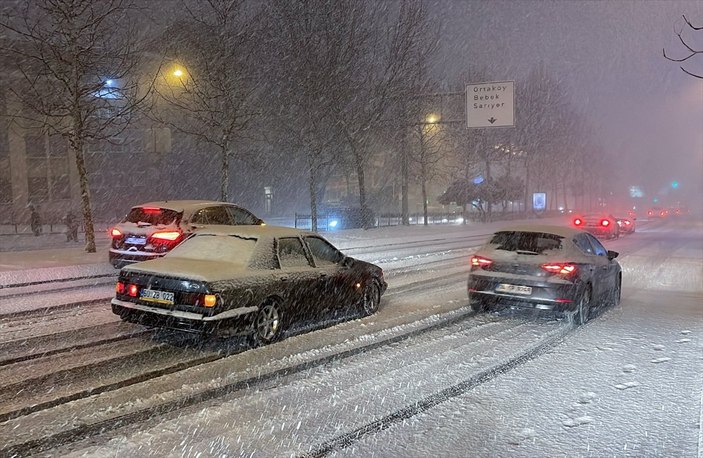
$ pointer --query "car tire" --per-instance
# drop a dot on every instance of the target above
(371, 300)
(478, 305)
(583, 309)
(268, 323)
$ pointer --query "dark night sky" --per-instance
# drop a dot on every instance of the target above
(644, 109)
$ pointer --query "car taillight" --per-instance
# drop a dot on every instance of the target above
(120, 287)
(604, 222)
(115, 232)
(480, 261)
(133, 290)
(168, 235)
(151, 210)
(578, 222)
(559, 268)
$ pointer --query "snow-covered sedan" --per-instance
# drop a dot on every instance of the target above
(544, 267)
(255, 280)
(152, 229)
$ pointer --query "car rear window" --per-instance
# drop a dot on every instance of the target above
(207, 247)
(153, 215)
(532, 242)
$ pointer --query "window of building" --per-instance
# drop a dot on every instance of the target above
(5, 191)
(35, 145)
(38, 189)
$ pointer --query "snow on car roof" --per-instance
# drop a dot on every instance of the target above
(247, 231)
(180, 205)
(563, 231)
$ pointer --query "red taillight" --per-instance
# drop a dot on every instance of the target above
(119, 287)
(604, 222)
(133, 290)
(560, 268)
(151, 210)
(115, 232)
(578, 222)
(169, 235)
(480, 261)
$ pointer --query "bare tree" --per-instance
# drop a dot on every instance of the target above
(206, 78)
(393, 62)
(427, 155)
(77, 62)
(692, 51)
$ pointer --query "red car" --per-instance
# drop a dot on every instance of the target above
(598, 224)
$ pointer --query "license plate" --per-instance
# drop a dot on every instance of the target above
(514, 289)
(136, 240)
(152, 295)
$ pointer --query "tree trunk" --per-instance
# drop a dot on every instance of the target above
(424, 194)
(312, 189)
(359, 163)
(77, 145)
(224, 182)
(404, 183)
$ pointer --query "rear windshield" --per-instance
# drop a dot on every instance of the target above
(206, 247)
(532, 242)
(153, 216)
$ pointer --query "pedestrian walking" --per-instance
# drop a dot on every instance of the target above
(71, 226)
(35, 221)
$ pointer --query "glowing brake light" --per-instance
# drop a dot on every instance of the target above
(560, 268)
(115, 232)
(120, 287)
(169, 235)
(578, 222)
(480, 261)
(151, 210)
(604, 222)
(133, 290)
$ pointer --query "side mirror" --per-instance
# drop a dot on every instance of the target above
(347, 262)
(612, 254)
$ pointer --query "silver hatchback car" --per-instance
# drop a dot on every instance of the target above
(152, 229)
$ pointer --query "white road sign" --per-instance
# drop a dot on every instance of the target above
(490, 104)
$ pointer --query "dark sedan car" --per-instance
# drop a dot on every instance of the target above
(255, 280)
(152, 229)
(544, 267)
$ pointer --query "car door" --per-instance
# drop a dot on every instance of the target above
(605, 268)
(338, 286)
(302, 281)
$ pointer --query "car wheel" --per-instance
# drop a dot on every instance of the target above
(477, 305)
(583, 309)
(268, 323)
(371, 301)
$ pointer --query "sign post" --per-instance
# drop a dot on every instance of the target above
(490, 104)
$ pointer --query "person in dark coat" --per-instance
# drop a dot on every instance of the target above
(71, 226)
(35, 221)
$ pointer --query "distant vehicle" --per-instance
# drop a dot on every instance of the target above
(152, 229)
(544, 267)
(657, 212)
(598, 224)
(337, 218)
(627, 225)
(255, 280)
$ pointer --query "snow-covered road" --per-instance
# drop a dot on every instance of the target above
(425, 376)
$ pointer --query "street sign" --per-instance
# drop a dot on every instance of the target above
(539, 201)
(490, 104)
